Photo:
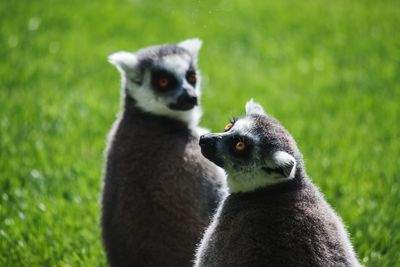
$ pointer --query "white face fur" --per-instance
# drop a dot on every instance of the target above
(138, 82)
(244, 152)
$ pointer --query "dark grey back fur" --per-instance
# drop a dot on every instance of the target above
(159, 191)
(284, 225)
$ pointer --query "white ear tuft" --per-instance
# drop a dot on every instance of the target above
(286, 162)
(254, 108)
(124, 61)
(192, 45)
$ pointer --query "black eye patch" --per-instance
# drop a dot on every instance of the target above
(163, 80)
(240, 146)
(191, 76)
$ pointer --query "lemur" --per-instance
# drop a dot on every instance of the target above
(275, 215)
(159, 191)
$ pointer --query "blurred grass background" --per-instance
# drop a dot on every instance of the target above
(329, 70)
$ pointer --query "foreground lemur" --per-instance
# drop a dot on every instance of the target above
(275, 216)
(159, 191)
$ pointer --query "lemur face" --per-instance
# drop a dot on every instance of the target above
(163, 80)
(255, 150)
(175, 80)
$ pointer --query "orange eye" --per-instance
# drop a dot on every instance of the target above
(163, 83)
(240, 146)
(192, 78)
(228, 127)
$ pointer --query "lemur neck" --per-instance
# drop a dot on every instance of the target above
(262, 195)
(190, 117)
(259, 180)
(144, 119)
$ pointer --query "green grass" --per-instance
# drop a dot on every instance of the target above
(329, 70)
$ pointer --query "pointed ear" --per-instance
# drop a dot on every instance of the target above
(124, 61)
(282, 163)
(254, 108)
(192, 45)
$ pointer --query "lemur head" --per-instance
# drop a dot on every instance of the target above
(164, 79)
(255, 150)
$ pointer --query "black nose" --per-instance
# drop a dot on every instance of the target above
(186, 101)
(189, 96)
(208, 139)
(209, 148)
(192, 100)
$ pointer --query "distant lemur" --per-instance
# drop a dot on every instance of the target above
(274, 216)
(159, 191)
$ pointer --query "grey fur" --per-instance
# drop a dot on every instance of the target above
(159, 191)
(283, 224)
